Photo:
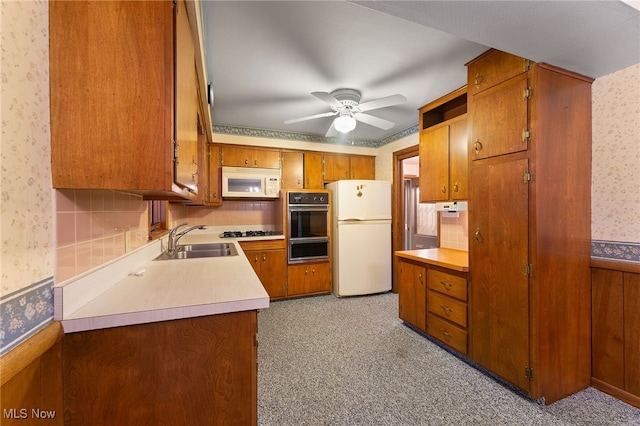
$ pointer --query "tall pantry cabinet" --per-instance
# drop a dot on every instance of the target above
(529, 223)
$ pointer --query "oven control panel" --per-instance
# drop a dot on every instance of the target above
(308, 198)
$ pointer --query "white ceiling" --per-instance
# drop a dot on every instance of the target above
(264, 58)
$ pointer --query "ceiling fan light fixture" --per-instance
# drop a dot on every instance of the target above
(345, 123)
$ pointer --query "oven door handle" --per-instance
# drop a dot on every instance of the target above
(313, 208)
(308, 240)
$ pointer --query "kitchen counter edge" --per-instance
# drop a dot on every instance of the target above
(456, 260)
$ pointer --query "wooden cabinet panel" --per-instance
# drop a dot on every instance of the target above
(214, 189)
(335, 167)
(447, 333)
(186, 163)
(269, 260)
(363, 167)
(492, 68)
(504, 104)
(607, 326)
(313, 170)
(412, 295)
(458, 160)
(448, 284)
(434, 164)
(292, 170)
(499, 252)
(250, 157)
(447, 308)
(632, 333)
(197, 371)
(112, 97)
(309, 278)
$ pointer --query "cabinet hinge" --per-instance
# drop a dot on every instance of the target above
(527, 177)
(526, 134)
(526, 65)
(527, 269)
(528, 372)
(174, 3)
(176, 147)
(526, 93)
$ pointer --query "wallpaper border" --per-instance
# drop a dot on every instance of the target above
(613, 250)
(307, 137)
(24, 312)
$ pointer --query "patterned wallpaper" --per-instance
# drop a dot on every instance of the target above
(26, 211)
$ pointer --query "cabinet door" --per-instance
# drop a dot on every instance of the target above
(313, 170)
(494, 67)
(292, 170)
(412, 299)
(458, 161)
(434, 164)
(363, 167)
(336, 167)
(237, 156)
(273, 272)
(498, 254)
(632, 333)
(214, 192)
(500, 120)
(186, 110)
(309, 278)
(266, 159)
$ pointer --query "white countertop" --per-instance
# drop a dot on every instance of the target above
(112, 296)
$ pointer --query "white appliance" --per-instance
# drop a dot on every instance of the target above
(248, 182)
(361, 240)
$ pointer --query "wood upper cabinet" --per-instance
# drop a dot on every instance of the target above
(292, 169)
(615, 337)
(412, 294)
(214, 189)
(335, 167)
(443, 149)
(313, 170)
(250, 157)
(269, 261)
(113, 70)
(362, 167)
(309, 278)
(529, 259)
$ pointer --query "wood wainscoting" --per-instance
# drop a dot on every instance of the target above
(31, 380)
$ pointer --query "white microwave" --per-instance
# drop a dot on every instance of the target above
(247, 182)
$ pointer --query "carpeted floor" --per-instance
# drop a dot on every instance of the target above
(351, 361)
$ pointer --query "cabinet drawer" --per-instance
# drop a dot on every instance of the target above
(448, 284)
(447, 333)
(492, 68)
(448, 308)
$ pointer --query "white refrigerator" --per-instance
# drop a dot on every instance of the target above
(361, 236)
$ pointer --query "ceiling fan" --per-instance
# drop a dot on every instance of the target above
(345, 103)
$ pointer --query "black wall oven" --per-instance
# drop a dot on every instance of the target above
(308, 226)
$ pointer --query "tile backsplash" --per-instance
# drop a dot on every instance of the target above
(94, 227)
(231, 213)
(454, 231)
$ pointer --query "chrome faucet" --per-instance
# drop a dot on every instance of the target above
(174, 236)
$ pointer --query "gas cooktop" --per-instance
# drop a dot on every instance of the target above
(240, 234)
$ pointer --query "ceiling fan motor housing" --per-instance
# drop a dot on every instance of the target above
(347, 97)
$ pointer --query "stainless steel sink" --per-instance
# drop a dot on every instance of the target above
(194, 251)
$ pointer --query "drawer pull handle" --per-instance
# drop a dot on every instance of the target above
(445, 333)
(446, 310)
(420, 277)
(446, 285)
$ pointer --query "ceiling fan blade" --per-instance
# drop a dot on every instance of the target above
(328, 99)
(332, 131)
(311, 117)
(374, 121)
(382, 102)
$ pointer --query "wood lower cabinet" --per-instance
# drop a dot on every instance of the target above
(269, 261)
(447, 318)
(615, 325)
(193, 371)
(309, 278)
(412, 294)
(118, 103)
(529, 310)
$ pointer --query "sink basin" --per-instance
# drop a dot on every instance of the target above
(194, 251)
